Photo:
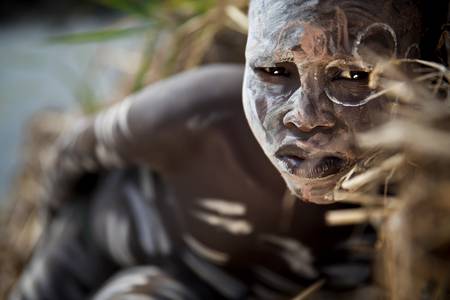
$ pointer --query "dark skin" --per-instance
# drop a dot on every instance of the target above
(215, 187)
(216, 192)
(307, 82)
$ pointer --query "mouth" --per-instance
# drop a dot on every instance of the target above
(299, 163)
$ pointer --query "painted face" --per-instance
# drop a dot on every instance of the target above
(306, 86)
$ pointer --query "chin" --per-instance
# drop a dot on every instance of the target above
(317, 191)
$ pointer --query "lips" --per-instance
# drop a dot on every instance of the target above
(299, 163)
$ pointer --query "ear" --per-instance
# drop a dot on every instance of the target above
(436, 17)
(376, 42)
(443, 47)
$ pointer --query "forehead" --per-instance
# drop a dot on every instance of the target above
(280, 25)
(272, 14)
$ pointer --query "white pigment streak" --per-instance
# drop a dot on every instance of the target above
(224, 207)
(202, 250)
(237, 227)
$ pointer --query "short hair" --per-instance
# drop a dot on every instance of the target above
(434, 16)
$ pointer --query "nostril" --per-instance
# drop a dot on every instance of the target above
(289, 118)
(308, 122)
(292, 120)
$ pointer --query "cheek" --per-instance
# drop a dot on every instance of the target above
(267, 102)
(259, 108)
(256, 105)
(273, 99)
(269, 110)
(364, 118)
(255, 108)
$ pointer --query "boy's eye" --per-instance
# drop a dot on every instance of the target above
(275, 71)
(353, 75)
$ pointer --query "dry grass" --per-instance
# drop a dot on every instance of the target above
(218, 35)
(411, 152)
(22, 221)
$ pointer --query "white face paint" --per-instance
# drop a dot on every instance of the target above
(306, 87)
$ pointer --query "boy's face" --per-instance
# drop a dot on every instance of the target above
(307, 81)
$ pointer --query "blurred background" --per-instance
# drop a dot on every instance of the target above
(61, 57)
(66, 57)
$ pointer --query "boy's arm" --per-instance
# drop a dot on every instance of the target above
(158, 127)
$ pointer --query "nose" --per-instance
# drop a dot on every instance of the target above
(308, 112)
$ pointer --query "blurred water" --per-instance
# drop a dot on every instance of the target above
(35, 75)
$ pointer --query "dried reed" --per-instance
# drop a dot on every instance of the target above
(411, 152)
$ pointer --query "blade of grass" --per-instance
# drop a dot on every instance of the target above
(139, 8)
(238, 17)
(87, 98)
(310, 290)
(99, 35)
(139, 79)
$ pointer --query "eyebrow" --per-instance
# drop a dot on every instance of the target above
(288, 55)
(258, 61)
(267, 60)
